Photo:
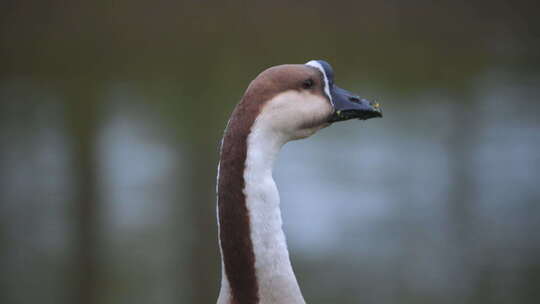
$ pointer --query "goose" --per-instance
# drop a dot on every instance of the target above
(283, 103)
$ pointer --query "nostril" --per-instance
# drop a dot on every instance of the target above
(354, 98)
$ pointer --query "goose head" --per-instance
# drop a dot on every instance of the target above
(297, 100)
(282, 103)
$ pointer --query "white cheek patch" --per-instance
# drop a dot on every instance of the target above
(317, 65)
(294, 114)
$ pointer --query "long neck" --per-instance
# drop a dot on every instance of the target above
(255, 259)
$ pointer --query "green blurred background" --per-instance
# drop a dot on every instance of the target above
(110, 118)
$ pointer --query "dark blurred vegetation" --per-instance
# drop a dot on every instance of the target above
(166, 74)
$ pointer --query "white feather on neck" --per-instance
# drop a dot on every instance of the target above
(280, 121)
(275, 277)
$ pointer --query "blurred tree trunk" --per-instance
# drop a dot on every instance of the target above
(461, 146)
(462, 205)
(5, 295)
(204, 260)
(82, 116)
(203, 121)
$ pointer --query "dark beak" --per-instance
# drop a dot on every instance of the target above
(348, 106)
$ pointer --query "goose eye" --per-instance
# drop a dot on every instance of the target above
(307, 84)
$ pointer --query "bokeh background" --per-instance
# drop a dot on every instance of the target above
(110, 118)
